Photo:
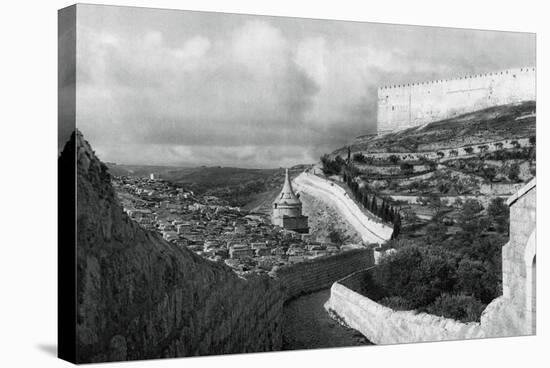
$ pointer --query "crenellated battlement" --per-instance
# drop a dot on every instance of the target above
(471, 76)
(402, 106)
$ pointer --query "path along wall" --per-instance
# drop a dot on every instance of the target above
(414, 104)
(321, 273)
(336, 197)
(383, 325)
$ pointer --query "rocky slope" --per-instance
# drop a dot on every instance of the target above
(140, 297)
(497, 123)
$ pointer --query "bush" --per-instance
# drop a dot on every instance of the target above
(417, 274)
(460, 307)
(475, 278)
(393, 159)
(499, 214)
(332, 167)
(396, 303)
(513, 172)
(406, 168)
(359, 157)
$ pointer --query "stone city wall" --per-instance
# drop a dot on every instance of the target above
(414, 104)
(383, 325)
(320, 273)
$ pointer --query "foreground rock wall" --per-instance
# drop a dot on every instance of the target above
(383, 325)
(306, 277)
(141, 297)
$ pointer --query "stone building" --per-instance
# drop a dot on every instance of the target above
(414, 104)
(287, 209)
(514, 313)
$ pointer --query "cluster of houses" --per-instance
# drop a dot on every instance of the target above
(247, 242)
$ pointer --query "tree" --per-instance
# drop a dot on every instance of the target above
(475, 278)
(417, 273)
(365, 200)
(469, 150)
(396, 226)
(435, 232)
(513, 172)
(406, 168)
(374, 205)
(469, 219)
(393, 159)
(499, 214)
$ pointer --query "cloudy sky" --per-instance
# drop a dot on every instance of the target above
(195, 88)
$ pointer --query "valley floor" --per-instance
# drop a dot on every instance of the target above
(307, 325)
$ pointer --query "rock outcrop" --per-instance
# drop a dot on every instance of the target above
(141, 297)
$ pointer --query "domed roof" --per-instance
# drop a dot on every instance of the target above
(287, 196)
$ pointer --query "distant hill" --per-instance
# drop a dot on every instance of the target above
(239, 186)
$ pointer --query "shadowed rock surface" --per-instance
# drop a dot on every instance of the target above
(140, 297)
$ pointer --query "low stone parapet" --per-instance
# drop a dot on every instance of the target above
(383, 325)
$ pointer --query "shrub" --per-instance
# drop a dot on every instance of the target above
(332, 167)
(406, 168)
(513, 172)
(393, 159)
(476, 278)
(460, 307)
(359, 157)
(418, 274)
(499, 214)
(396, 303)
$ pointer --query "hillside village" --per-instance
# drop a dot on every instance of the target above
(247, 242)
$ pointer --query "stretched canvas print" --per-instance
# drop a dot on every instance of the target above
(239, 183)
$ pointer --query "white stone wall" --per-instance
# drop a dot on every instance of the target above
(414, 104)
(513, 313)
(336, 197)
(383, 325)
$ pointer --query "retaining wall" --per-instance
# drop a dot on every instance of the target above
(309, 276)
(335, 196)
(383, 325)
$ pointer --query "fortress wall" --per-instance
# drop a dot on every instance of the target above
(414, 104)
(320, 273)
(383, 325)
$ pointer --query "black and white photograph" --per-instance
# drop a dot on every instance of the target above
(235, 183)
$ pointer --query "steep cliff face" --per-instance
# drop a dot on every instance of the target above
(140, 297)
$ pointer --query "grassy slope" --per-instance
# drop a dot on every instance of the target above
(491, 124)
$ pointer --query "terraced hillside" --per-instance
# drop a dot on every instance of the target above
(434, 169)
(449, 181)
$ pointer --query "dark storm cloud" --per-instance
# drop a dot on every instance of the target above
(193, 88)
